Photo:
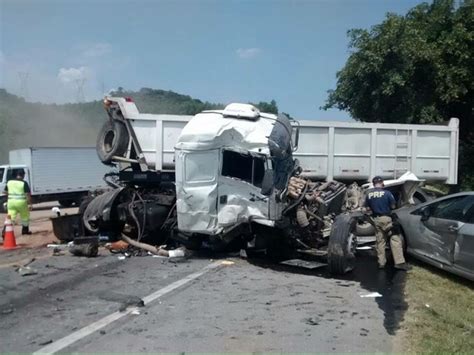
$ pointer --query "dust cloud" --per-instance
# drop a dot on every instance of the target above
(42, 125)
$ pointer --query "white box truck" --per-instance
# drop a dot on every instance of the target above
(56, 174)
(239, 177)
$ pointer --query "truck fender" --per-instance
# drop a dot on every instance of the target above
(99, 210)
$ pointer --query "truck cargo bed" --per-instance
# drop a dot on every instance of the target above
(345, 151)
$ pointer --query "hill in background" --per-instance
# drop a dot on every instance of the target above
(26, 124)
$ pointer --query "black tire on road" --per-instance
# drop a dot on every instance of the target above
(342, 244)
(112, 140)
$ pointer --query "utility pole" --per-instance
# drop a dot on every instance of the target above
(24, 84)
(80, 89)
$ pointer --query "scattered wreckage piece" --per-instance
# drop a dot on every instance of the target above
(89, 250)
(306, 264)
(24, 269)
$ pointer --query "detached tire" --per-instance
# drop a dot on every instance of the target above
(342, 244)
(112, 140)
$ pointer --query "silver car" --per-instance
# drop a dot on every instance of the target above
(441, 232)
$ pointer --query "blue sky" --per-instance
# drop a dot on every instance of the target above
(218, 51)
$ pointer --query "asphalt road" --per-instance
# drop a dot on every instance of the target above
(73, 305)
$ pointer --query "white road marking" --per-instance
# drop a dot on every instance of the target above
(101, 323)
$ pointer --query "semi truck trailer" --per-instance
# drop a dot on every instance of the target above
(56, 174)
(242, 178)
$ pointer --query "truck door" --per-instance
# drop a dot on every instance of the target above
(196, 188)
(240, 183)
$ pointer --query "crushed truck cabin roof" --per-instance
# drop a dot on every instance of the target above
(215, 129)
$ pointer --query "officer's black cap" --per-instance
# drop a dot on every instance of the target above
(377, 180)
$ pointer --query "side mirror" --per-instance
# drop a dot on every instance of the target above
(425, 213)
(267, 183)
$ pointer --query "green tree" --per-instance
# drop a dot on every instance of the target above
(268, 107)
(416, 68)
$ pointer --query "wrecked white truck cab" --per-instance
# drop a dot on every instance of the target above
(222, 160)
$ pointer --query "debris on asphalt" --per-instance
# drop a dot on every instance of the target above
(174, 255)
(177, 253)
(243, 254)
(58, 249)
(89, 250)
(26, 263)
(124, 300)
(303, 263)
(60, 246)
(26, 271)
(46, 342)
(159, 256)
(312, 321)
(117, 247)
(370, 295)
(131, 302)
(8, 311)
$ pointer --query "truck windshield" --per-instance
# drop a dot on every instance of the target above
(2, 172)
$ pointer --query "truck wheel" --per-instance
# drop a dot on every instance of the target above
(2, 205)
(112, 140)
(342, 245)
(364, 229)
(84, 203)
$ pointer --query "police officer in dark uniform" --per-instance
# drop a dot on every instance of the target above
(381, 202)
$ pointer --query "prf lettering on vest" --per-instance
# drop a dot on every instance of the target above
(376, 194)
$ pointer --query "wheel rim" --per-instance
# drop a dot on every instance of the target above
(352, 244)
(109, 139)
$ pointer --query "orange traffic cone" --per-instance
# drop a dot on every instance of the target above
(9, 241)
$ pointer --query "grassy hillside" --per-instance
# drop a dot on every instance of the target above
(25, 124)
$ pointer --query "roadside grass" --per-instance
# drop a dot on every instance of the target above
(440, 315)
